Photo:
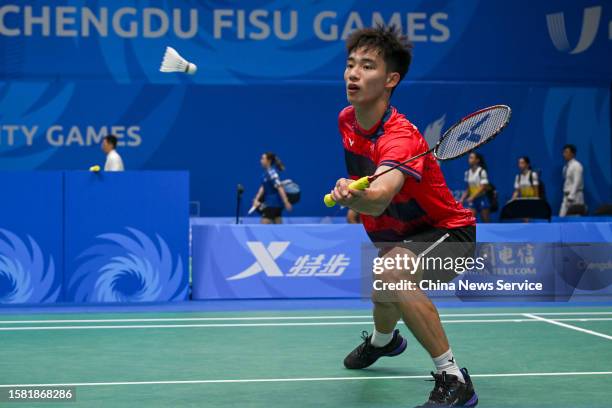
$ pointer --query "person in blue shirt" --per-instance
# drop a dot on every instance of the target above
(271, 197)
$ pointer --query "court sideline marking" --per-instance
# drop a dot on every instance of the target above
(273, 380)
(264, 318)
(567, 326)
(291, 324)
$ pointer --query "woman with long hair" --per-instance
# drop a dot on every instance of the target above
(477, 180)
(526, 182)
(271, 196)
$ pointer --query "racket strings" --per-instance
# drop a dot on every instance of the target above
(472, 132)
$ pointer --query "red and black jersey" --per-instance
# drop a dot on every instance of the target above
(424, 201)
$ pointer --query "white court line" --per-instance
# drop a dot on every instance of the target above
(182, 326)
(264, 318)
(272, 380)
(189, 319)
(568, 326)
(569, 313)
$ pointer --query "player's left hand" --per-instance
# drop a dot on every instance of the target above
(345, 196)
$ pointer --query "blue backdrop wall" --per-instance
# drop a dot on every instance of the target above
(270, 78)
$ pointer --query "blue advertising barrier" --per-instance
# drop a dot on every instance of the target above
(31, 262)
(126, 236)
(258, 261)
(318, 261)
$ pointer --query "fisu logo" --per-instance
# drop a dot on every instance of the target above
(590, 25)
(433, 131)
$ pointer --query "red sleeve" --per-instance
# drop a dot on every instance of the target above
(343, 117)
(397, 147)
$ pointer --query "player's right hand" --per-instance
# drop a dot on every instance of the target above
(343, 195)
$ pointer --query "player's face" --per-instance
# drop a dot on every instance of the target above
(366, 77)
(265, 163)
(522, 164)
(567, 154)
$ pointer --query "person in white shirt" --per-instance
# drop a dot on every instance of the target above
(113, 160)
(477, 181)
(526, 183)
(573, 180)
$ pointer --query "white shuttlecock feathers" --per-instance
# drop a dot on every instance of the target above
(173, 62)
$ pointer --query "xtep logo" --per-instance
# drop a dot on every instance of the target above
(590, 25)
(321, 265)
(265, 259)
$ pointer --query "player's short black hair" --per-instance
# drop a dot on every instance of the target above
(394, 48)
(526, 159)
(111, 139)
(571, 147)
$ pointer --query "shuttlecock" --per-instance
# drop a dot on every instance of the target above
(173, 62)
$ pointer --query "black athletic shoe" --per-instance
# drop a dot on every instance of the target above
(366, 354)
(450, 392)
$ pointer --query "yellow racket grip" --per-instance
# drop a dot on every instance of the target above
(360, 184)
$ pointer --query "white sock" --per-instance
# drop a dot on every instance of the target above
(446, 362)
(381, 339)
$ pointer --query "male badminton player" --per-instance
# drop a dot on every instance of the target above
(411, 203)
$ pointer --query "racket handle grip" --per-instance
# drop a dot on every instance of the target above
(360, 184)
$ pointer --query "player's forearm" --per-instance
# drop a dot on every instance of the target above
(259, 194)
(575, 187)
(375, 199)
(571, 194)
(373, 202)
(283, 195)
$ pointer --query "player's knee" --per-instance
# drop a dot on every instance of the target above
(384, 298)
(384, 302)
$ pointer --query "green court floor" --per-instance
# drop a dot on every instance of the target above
(524, 357)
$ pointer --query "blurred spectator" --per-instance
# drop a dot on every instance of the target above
(573, 184)
(526, 183)
(271, 196)
(113, 160)
(477, 181)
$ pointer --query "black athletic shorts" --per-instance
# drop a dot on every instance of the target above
(271, 212)
(440, 243)
(462, 234)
